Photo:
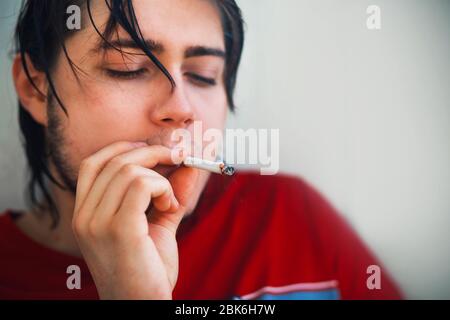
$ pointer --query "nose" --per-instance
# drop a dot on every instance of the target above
(176, 111)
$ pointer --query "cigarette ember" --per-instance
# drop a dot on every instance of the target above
(219, 167)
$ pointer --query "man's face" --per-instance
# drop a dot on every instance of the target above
(125, 97)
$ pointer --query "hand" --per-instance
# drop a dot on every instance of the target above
(130, 255)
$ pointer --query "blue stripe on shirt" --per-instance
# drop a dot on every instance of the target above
(331, 294)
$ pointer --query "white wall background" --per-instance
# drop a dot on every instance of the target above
(363, 115)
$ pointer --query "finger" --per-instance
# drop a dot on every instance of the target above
(116, 190)
(91, 167)
(141, 192)
(148, 157)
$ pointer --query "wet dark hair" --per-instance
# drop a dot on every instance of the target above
(41, 33)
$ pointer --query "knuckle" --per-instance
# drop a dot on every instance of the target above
(78, 227)
(141, 183)
(129, 170)
(117, 162)
(93, 229)
(87, 165)
(116, 231)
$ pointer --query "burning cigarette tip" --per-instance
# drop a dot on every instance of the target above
(228, 170)
(219, 167)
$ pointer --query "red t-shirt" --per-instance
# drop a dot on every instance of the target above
(250, 237)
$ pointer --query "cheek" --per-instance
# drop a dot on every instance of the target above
(212, 111)
(214, 118)
(102, 117)
(211, 107)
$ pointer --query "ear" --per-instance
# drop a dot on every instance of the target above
(32, 100)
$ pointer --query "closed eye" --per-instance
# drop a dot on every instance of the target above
(126, 75)
(198, 79)
(133, 74)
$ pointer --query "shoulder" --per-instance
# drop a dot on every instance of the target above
(10, 237)
(272, 182)
(251, 185)
(283, 209)
(288, 215)
(282, 196)
(6, 222)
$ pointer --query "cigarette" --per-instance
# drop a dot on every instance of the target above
(219, 167)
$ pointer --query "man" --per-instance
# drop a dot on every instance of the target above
(98, 108)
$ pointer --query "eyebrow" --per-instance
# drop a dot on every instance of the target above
(156, 47)
(198, 51)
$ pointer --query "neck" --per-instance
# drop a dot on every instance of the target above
(37, 224)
